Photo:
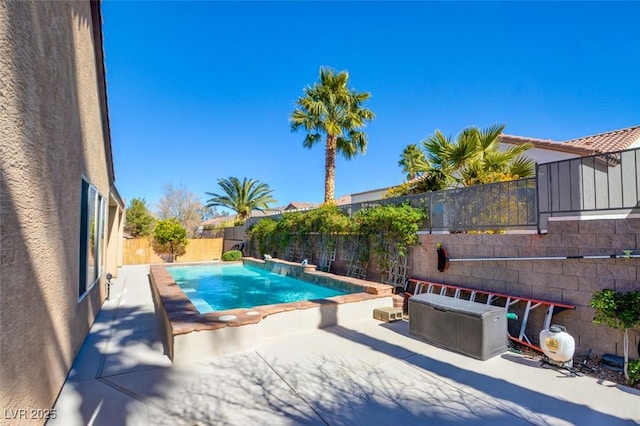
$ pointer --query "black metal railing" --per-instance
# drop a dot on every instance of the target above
(493, 206)
(594, 185)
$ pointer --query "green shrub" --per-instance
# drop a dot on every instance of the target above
(389, 223)
(620, 311)
(232, 255)
(169, 237)
(634, 372)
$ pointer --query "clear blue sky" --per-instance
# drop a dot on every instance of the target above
(203, 90)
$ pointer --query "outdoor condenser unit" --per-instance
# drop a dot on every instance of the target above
(474, 329)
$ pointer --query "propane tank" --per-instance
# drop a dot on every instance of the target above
(558, 345)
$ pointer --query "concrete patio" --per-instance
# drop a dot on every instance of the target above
(362, 373)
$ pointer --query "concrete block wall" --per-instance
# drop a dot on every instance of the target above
(571, 281)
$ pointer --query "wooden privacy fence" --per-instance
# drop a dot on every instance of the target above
(138, 251)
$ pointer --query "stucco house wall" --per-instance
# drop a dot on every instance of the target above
(570, 281)
(54, 135)
(373, 195)
(542, 156)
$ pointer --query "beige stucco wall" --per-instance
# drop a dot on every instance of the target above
(373, 195)
(571, 281)
(542, 156)
(115, 227)
(51, 135)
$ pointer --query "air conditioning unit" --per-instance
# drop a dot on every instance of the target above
(474, 329)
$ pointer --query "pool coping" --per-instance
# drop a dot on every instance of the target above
(180, 317)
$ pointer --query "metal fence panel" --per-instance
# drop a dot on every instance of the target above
(483, 207)
(597, 183)
(600, 182)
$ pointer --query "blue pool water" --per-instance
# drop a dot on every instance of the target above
(229, 286)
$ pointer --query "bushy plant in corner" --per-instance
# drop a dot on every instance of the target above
(395, 224)
(169, 237)
(232, 256)
(389, 225)
(620, 311)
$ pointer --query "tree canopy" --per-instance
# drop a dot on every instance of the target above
(170, 237)
(182, 204)
(242, 196)
(412, 161)
(473, 158)
(139, 220)
(619, 310)
(331, 108)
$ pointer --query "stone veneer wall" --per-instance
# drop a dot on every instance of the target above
(571, 281)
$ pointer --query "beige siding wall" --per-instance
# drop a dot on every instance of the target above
(571, 281)
(115, 228)
(51, 136)
(361, 197)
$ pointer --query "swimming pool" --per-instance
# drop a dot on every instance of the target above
(229, 286)
(192, 336)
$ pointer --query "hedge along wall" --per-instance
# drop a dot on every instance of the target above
(338, 267)
(571, 281)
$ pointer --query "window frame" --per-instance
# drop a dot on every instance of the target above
(92, 237)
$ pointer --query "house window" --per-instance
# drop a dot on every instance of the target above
(92, 228)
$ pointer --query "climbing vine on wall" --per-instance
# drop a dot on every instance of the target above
(391, 230)
(387, 229)
(263, 234)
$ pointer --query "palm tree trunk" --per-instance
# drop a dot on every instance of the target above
(330, 169)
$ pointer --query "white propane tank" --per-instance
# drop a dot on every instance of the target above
(558, 345)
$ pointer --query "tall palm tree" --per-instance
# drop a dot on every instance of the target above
(329, 107)
(242, 197)
(412, 161)
(475, 158)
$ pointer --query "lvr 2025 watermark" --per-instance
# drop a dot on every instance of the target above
(29, 414)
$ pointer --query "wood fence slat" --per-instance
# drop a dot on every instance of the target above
(137, 251)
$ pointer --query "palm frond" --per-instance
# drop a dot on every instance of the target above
(242, 197)
(311, 139)
(523, 167)
(330, 107)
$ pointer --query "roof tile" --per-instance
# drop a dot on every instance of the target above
(616, 140)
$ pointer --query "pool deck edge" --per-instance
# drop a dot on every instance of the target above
(191, 336)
